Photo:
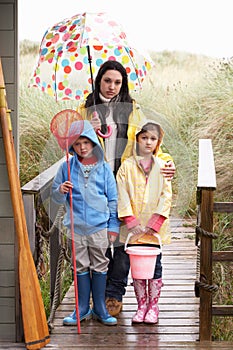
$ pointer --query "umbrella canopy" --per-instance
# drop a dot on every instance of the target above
(72, 51)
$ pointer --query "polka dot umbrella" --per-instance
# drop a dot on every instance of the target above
(72, 51)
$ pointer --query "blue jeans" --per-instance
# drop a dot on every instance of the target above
(118, 270)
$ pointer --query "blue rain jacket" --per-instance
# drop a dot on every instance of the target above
(94, 198)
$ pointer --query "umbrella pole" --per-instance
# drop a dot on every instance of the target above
(109, 132)
(89, 60)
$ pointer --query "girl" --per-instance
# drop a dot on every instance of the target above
(143, 205)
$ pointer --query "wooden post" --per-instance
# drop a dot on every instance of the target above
(206, 186)
(206, 265)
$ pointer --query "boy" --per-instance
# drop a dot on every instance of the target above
(94, 196)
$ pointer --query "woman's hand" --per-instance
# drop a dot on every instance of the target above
(149, 231)
(65, 187)
(95, 121)
(169, 170)
(137, 230)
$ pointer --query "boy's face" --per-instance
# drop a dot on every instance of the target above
(147, 142)
(83, 147)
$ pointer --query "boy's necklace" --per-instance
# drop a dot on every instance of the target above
(87, 169)
(88, 164)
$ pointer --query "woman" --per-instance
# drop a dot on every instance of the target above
(110, 104)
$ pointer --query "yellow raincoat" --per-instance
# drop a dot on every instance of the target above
(141, 198)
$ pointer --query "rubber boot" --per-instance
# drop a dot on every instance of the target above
(99, 310)
(84, 290)
(140, 292)
(154, 289)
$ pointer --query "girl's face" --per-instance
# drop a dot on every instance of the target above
(110, 83)
(147, 142)
(83, 147)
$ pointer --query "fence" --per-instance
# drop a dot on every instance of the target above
(204, 287)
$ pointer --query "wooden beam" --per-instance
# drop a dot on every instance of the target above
(222, 256)
(226, 207)
(206, 167)
(222, 310)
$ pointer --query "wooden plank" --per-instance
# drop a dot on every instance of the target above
(206, 167)
(5, 204)
(7, 43)
(222, 256)
(222, 310)
(223, 207)
(7, 288)
(39, 182)
(11, 346)
(6, 17)
(7, 234)
(7, 332)
(30, 214)
(4, 183)
(127, 341)
(7, 257)
(7, 314)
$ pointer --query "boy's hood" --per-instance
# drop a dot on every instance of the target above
(139, 128)
(90, 133)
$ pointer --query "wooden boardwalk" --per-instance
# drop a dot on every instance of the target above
(178, 321)
(178, 326)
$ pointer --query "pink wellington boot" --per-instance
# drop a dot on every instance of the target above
(140, 292)
(154, 289)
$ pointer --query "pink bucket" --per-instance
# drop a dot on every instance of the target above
(142, 261)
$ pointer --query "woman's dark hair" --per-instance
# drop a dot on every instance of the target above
(123, 96)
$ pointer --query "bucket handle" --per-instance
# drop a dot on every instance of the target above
(154, 234)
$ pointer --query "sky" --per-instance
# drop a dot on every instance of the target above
(195, 26)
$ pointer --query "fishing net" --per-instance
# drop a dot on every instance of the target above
(66, 126)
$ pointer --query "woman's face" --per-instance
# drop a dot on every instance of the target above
(110, 83)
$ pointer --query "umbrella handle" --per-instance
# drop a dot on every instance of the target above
(105, 136)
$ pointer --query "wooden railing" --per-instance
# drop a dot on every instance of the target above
(206, 206)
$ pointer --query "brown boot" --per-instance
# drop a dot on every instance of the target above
(113, 306)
